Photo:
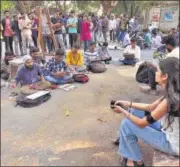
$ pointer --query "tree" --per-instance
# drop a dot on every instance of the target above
(108, 6)
(6, 5)
(27, 6)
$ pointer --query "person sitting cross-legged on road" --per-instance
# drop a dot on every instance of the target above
(36, 56)
(132, 54)
(157, 124)
(103, 53)
(30, 77)
(75, 60)
(91, 54)
(56, 70)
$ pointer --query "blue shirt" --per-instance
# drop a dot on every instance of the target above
(55, 20)
(72, 21)
(52, 67)
(27, 76)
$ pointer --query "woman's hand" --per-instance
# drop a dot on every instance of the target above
(117, 109)
(125, 103)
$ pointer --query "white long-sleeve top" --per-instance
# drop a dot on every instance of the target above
(136, 51)
(112, 24)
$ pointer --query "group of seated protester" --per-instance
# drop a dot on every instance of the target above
(97, 54)
(172, 50)
(131, 54)
(37, 74)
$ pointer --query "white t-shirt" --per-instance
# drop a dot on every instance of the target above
(126, 40)
(157, 41)
(172, 132)
(112, 24)
(136, 51)
(174, 53)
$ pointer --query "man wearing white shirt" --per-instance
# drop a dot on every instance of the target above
(134, 50)
(112, 28)
(173, 50)
(156, 41)
(126, 40)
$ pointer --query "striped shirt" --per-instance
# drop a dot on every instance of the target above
(90, 56)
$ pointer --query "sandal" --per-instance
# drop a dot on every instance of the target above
(125, 160)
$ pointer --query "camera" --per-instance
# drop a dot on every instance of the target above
(112, 105)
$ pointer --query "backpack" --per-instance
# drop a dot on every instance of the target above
(23, 101)
(142, 72)
(97, 67)
(81, 78)
(4, 74)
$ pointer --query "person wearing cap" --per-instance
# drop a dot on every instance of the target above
(30, 77)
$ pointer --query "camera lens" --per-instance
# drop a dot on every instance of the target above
(113, 102)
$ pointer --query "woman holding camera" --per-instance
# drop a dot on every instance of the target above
(159, 127)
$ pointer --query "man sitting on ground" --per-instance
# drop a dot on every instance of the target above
(173, 51)
(103, 53)
(56, 70)
(132, 54)
(8, 57)
(74, 59)
(171, 46)
(35, 54)
(91, 54)
(30, 77)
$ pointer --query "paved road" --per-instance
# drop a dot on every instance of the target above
(45, 136)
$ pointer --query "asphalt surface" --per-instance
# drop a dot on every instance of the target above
(44, 135)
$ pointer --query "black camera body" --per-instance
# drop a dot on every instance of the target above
(112, 105)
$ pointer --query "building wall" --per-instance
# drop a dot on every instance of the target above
(164, 17)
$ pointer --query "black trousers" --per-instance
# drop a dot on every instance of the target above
(72, 38)
(151, 78)
(112, 35)
(34, 38)
(8, 43)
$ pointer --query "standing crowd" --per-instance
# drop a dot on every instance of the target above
(68, 29)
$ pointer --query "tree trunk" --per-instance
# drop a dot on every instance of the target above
(136, 10)
(58, 5)
(108, 6)
(125, 6)
(64, 6)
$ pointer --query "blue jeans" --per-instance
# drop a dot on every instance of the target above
(121, 35)
(86, 45)
(130, 133)
(129, 61)
(62, 80)
(47, 42)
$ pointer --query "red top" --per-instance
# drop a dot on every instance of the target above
(8, 31)
(85, 34)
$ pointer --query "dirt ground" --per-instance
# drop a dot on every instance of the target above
(44, 135)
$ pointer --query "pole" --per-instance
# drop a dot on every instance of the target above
(40, 36)
(50, 27)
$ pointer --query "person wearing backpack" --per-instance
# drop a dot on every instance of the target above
(30, 77)
(75, 60)
(56, 70)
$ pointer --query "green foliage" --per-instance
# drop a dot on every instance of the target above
(83, 6)
(5, 5)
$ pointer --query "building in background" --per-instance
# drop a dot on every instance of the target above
(164, 16)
